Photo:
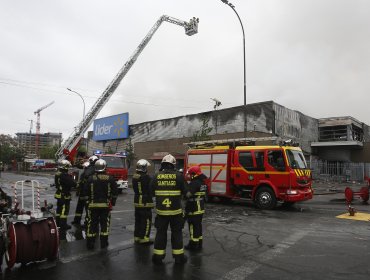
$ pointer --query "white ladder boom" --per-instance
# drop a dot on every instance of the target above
(191, 28)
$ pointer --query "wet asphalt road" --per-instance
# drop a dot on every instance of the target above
(240, 242)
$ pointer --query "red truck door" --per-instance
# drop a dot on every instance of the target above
(277, 171)
(214, 165)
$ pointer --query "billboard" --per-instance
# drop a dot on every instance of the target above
(113, 127)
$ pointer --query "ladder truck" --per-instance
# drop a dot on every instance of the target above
(69, 148)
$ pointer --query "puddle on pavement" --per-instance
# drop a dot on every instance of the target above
(74, 234)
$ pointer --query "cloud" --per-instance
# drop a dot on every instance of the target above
(307, 55)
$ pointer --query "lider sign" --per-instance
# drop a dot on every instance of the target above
(113, 127)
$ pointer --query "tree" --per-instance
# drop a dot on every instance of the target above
(9, 149)
(203, 133)
(48, 152)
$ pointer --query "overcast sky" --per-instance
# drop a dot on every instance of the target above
(308, 55)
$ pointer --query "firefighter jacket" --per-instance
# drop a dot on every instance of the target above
(64, 183)
(82, 184)
(168, 187)
(198, 188)
(5, 201)
(143, 194)
(101, 191)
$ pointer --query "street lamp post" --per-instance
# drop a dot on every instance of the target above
(83, 116)
(245, 83)
(83, 101)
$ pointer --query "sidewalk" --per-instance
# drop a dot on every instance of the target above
(326, 187)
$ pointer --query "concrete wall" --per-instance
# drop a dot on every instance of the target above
(263, 119)
(335, 154)
(295, 125)
(260, 117)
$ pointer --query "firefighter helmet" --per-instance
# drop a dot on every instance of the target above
(93, 159)
(142, 165)
(64, 164)
(100, 165)
(169, 159)
(85, 164)
(194, 170)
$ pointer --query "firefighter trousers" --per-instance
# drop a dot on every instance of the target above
(143, 224)
(195, 228)
(97, 217)
(62, 212)
(176, 222)
(81, 205)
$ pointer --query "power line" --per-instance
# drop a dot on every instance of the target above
(112, 100)
(27, 84)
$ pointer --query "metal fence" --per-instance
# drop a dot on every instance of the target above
(337, 171)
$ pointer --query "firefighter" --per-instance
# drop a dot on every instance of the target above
(63, 183)
(143, 202)
(5, 205)
(81, 202)
(194, 208)
(89, 171)
(168, 187)
(5, 202)
(102, 194)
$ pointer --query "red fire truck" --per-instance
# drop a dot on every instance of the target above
(117, 166)
(264, 174)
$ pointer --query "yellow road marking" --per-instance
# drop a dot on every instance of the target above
(358, 216)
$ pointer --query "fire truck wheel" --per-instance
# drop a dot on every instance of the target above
(265, 198)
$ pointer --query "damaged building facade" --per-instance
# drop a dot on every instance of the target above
(154, 139)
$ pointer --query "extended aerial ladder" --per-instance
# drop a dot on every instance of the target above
(70, 146)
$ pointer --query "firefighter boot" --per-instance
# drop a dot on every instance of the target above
(192, 246)
(200, 244)
(181, 259)
(104, 242)
(90, 243)
(63, 224)
(76, 222)
(157, 259)
(62, 234)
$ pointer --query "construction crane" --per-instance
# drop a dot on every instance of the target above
(70, 146)
(37, 112)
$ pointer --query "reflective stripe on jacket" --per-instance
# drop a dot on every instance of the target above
(101, 191)
(197, 187)
(143, 194)
(63, 183)
(168, 187)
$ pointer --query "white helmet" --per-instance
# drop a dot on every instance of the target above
(64, 164)
(100, 165)
(93, 159)
(169, 159)
(85, 164)
(142, 165)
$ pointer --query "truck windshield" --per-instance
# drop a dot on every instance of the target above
(296, 159)
(114, 162)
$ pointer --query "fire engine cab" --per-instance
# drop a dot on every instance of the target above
(264, 174)
(117, 166)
